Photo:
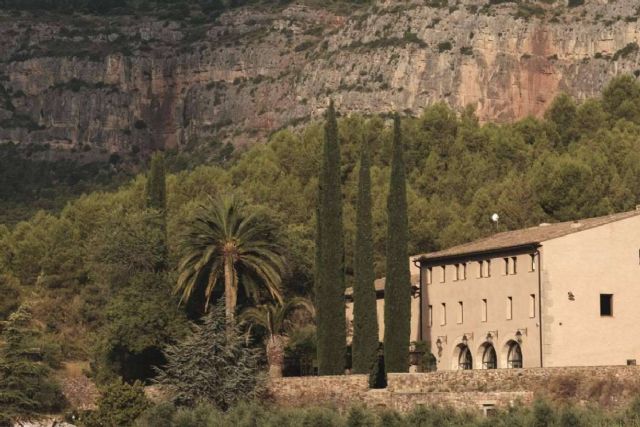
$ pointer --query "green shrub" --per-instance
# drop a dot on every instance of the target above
(360, 417)
(120, 404)
(543, 414)
(444, 46)
(157, 416)
(322, 417)
(626, 51)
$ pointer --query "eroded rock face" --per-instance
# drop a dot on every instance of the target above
(93, 86)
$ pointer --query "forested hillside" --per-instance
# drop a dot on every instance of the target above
(89, 271)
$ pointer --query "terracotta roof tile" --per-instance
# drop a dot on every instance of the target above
(526, 236)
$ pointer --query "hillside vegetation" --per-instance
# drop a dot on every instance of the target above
(88, 272)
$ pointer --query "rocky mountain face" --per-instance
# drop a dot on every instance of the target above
(91, 86)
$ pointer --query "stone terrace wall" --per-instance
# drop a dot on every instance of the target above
(532, 379)
(606, 385)
(340, 391)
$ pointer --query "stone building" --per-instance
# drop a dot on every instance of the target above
(564, 294)
(379, 285)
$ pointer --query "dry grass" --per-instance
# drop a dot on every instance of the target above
(79, 390)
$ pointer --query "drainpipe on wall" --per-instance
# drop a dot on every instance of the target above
(539, 256)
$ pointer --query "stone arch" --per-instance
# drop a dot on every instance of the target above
(512, 355)
(486, 356)
(462, 358)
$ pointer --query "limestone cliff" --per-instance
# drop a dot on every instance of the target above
(89, 86)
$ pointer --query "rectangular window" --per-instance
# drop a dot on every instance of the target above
(514, 265)
(532, 306)
(480, 269)
(443, 314)
(430, 316)
(464, 271)
(488, 268)
(429, 275)
(533, 262)
(606, 305)
(509, 308)
(483, 310)
(506, 266)
(456, 276)
(460, 312)
(443, 270)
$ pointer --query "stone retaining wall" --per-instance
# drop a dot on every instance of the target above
(607, 385)
(341, 390)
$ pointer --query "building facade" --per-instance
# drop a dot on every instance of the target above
(379, 286)
(564, 294)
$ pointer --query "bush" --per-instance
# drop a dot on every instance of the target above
(119, 405)
(444, 46)
(543, 414)
(360, 417)
(157, 416)
(322, 417)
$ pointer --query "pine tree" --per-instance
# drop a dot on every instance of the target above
(156, 197)
(215, 365)
(397, 299)
(330, 257)
(27, 386)
(365, 321)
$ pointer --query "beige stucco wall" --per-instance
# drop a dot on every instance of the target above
(471, 291)
(600, 260)
(415, 314)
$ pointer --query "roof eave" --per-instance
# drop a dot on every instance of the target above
(492, 251)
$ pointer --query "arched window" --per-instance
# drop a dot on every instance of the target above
(465, 361)
(514, 356)
(489, 357)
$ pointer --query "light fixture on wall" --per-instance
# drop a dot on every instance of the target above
(466, 337)
(519, 336)
(440, 344)
(415, 291)
(571, 296)
(491, 335)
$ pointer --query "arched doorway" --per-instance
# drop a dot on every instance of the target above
(465, 360)
(489, 357)
(514, 355)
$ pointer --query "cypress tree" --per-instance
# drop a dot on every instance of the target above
(365, 320)
(397, 292)
(156, 189)
(330, 305)
(156, 198)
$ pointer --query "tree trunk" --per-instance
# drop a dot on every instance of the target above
(275, 355)
(230, 290)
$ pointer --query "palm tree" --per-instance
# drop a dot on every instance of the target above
(226, 243)
(274, 318)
